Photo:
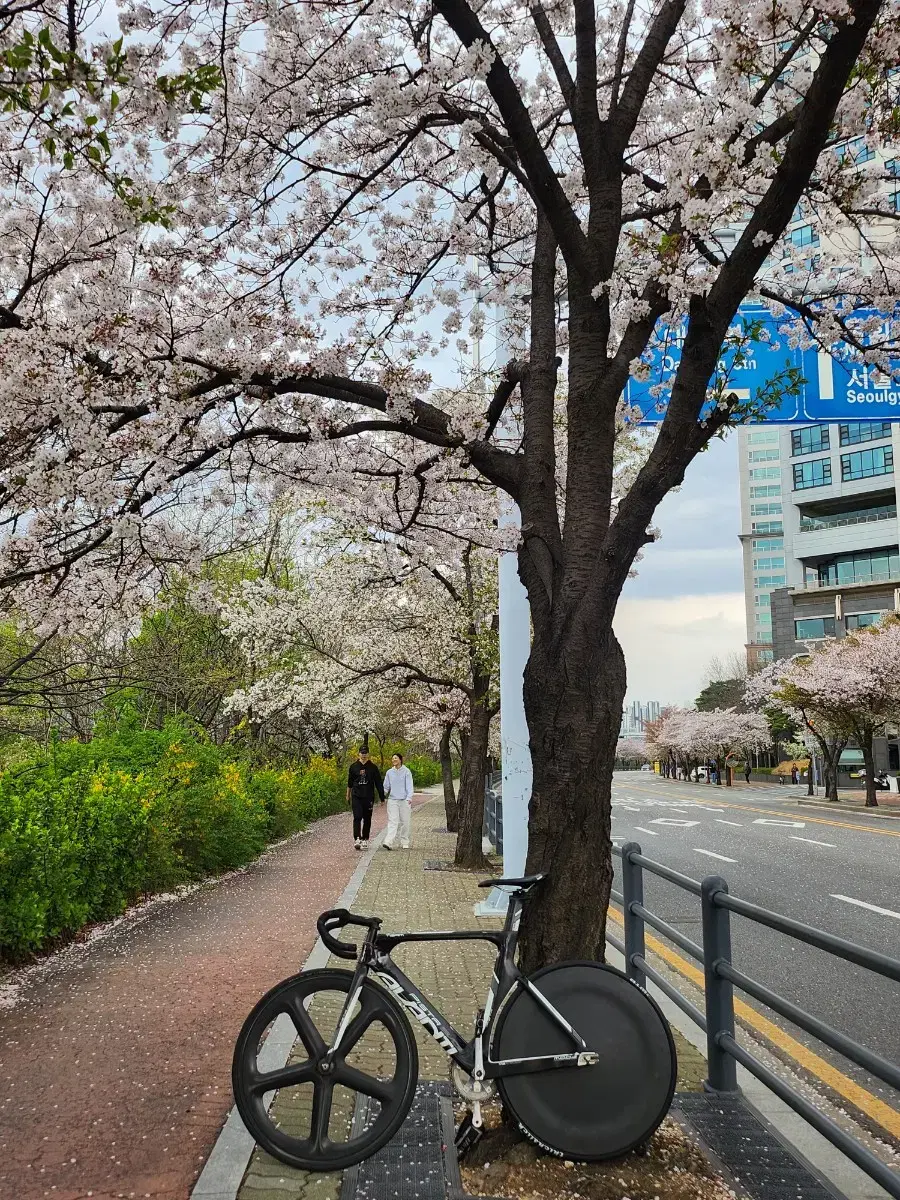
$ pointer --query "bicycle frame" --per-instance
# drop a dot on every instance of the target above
(473, 1056)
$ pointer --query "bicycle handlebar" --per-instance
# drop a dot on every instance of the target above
(337, 918)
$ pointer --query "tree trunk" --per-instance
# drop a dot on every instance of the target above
(574, 690)
(868, 752)
(811, 773)
(469, 853)
(451, 807)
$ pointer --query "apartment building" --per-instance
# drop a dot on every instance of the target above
(636, 715)
(819, 531)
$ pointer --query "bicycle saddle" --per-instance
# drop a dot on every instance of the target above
(521, 885)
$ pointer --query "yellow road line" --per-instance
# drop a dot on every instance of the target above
(886, 1116)
(803, 817)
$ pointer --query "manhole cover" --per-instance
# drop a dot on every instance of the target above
(438, 864)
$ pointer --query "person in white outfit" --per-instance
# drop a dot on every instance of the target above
(398, 791)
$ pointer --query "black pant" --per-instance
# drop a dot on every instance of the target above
(362, 818)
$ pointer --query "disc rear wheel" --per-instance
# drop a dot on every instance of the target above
(309, 1122)
(594, 1112)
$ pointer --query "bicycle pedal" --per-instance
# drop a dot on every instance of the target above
(467, 1136)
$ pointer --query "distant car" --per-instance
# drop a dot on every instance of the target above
(646, 767)
(701, 774)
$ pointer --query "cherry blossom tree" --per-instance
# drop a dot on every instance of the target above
(332, 210)
(846, 689)
(632, 750)
(689, 736)
(368, 623)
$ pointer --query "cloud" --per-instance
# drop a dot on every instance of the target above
(668, 641)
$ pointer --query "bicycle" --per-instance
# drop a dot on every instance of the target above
(582, 1057)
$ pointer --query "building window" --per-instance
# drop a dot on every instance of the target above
(864, 431)
(862, 620)
(763, 619)
(766, 527)
(804, 235)
(765, 510)
(768, 543)
(768, 581)
(813, 627)
(848, 516)
(765, 472)
(763, 437)
(863, 464)
(810, 440)
(769, 563)
(771, 489)
(865, 566)
(856, 151)
(813, 474)
(892, 168)
(772, 455)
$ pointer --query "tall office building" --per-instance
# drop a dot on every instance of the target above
(819, 531)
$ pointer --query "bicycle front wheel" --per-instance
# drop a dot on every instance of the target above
(588, 1113)
(309, 1123)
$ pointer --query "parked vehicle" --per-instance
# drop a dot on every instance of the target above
(881, 779)
(646, 767)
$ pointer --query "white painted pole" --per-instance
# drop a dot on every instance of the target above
(515, 646)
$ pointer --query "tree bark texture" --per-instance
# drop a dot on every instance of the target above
(451, 806)
(868, 753)
(469, 853)
(573, 700)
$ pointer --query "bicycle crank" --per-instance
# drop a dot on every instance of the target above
(476, 1091)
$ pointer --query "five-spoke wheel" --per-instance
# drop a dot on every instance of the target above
(302, 1112)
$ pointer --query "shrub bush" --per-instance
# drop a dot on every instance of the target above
(86, 829)
(425, 771)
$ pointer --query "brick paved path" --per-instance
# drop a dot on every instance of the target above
(115, 1068)
(455, 976)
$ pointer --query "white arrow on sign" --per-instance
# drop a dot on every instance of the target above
(672, 821)
(790, 824)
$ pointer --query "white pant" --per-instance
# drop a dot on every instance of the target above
(399, 813)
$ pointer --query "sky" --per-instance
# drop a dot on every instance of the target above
(686, 604)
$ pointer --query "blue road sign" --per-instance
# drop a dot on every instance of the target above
(834, 386)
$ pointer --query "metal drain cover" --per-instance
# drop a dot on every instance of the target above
(419, 1162)
(750, 1149)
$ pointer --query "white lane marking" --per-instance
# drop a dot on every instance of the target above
(885, 912)
(720, 821)
(712, 854)
(673, 821)
(812, 841)
(789, 824)
(652, 832)
(708, 808)
(630, 807)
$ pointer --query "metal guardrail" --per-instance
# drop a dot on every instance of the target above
(493, 810)
(721, 977)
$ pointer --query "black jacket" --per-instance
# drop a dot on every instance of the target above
(363, 780)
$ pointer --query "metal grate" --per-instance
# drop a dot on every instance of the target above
(438, 864)
(750, 1149)
(419, 1163)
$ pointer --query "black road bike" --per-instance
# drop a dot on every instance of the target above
(582, 1057)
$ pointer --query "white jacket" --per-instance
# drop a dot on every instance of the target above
(398, 783)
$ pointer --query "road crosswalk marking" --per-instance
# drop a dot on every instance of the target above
(812, 841)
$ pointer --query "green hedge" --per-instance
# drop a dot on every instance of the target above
(425, 771)
(87, 829)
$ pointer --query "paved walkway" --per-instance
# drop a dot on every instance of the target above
(454, 976)
(115, 1064)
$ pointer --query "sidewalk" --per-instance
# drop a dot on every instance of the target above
(454, 976)
(115, 1059)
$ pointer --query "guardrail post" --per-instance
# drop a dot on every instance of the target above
(633, 893)
(718, 991)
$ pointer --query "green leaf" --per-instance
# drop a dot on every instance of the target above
(114, 101)
(68, 160)
(94, 154)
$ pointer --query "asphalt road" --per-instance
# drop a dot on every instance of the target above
(831, 870)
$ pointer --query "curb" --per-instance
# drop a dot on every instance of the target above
(828, 806)
(224, 1170)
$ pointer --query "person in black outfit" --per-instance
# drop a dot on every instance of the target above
(363, 781)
